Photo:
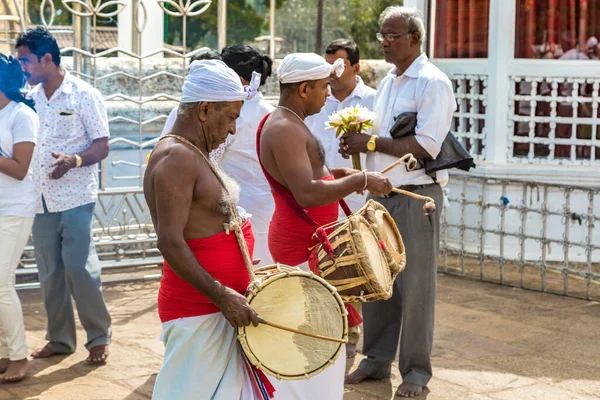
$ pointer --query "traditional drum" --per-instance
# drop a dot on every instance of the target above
(386, 230)
(358, 269)
(289, 299)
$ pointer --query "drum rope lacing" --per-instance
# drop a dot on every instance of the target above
(342, 260)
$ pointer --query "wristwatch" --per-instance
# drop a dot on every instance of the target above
(371, 145)
(78, 161)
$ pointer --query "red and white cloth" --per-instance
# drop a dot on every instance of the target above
(203, 359)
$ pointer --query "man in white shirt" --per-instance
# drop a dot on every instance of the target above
(73, 139)
(413, 85)
(238, 157)
(346, 91)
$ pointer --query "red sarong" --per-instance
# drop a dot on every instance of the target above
(221, 257)
(292, 228)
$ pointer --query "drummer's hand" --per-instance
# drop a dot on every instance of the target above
(236, 310)
(378, 184)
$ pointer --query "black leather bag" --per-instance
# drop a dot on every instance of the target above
(452, 154)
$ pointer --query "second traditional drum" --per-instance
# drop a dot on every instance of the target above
(386, 230)
(356, 265)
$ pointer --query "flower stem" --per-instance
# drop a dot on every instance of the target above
(356, 162)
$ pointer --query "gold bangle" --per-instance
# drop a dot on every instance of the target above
(78, 161)
(364, 171)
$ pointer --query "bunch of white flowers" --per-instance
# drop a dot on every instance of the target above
(355, 119)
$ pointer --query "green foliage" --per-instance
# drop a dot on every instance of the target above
(278, 4)
(62, 15)
(296, 23)
(244, 23)
(362, 23)
(356, 19)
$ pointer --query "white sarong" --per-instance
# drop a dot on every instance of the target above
(328, 385)
(203, 360)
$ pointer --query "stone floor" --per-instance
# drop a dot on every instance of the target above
(491, 342)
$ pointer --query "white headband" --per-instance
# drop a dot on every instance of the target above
(301, 67)
(214, 81)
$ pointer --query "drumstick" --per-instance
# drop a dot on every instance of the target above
(429, 202)
(413, 195)
(313, 335)
(411, 164)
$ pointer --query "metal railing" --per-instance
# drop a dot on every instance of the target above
(531, 235)
(536, 236)
(139, 89)
(125, 240)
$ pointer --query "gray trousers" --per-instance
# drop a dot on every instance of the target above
(408, 316)
(68, 266)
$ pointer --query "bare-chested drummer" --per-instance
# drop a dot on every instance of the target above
(200, 301)
(294, 162)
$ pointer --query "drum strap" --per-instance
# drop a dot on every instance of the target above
(283, 191)
(354, 318)
(235, 224)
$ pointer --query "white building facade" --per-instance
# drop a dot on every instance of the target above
(527, 78)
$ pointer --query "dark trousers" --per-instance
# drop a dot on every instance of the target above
(68, 266)
(408, 316)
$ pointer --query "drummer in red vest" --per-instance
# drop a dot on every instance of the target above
(200, 300)
(305, 191)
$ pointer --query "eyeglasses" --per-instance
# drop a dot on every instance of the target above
(390, 36)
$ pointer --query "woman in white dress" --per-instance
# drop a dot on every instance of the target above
(18, 202)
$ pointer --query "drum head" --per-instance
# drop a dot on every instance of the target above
(391, 232)
(304, 302)
(385, 227)
(375, 258)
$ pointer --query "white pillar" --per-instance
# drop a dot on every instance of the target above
(501, 54)
(154, 33)
(153, 24)
(420, 4)
(222, 23)
(125, 27)
(272, 29)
